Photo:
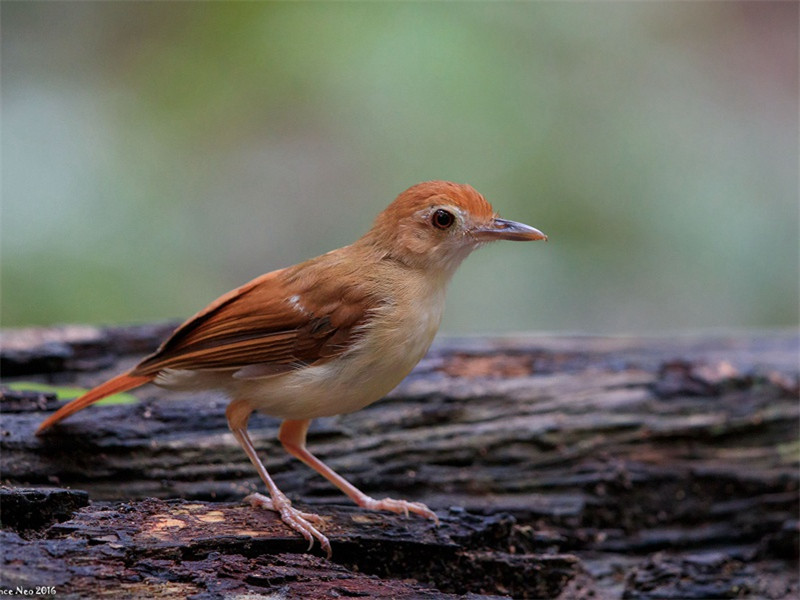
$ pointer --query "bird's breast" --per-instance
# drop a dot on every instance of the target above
(392, 342)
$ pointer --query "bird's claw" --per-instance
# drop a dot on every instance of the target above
(401, 507)
(261, 501)
(298, 520)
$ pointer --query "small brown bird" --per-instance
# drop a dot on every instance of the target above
(327, 336)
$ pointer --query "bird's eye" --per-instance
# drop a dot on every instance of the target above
(443, 219)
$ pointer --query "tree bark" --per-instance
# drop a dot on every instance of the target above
(560, 467)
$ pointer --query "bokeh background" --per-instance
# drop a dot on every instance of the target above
(155, 154)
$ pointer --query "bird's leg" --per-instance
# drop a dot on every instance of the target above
(238, 414)
(292, 435)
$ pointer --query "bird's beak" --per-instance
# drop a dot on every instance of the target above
(500, 229)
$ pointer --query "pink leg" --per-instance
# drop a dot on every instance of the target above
(238, 414)
(293, 437)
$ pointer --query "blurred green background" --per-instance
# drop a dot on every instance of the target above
(155, 155)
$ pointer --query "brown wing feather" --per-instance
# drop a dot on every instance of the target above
(274, 322)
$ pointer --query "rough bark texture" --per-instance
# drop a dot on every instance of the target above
(560, 467)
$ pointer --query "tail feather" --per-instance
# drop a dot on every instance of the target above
(118, 384)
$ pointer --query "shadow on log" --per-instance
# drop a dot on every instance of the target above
(560, 467)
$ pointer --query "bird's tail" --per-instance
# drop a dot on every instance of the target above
(118, 384)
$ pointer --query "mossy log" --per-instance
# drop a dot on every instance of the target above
(571, 467)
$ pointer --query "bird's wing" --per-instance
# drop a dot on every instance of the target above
(274, 323)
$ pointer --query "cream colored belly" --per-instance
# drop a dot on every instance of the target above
(342, 385)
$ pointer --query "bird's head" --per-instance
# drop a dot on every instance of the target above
(436, 224)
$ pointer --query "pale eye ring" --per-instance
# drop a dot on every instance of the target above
(443, 219)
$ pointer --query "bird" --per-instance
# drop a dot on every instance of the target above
(327, 336)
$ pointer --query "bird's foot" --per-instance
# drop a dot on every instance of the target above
(400, 507)
(261, 501)
(302, 522)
